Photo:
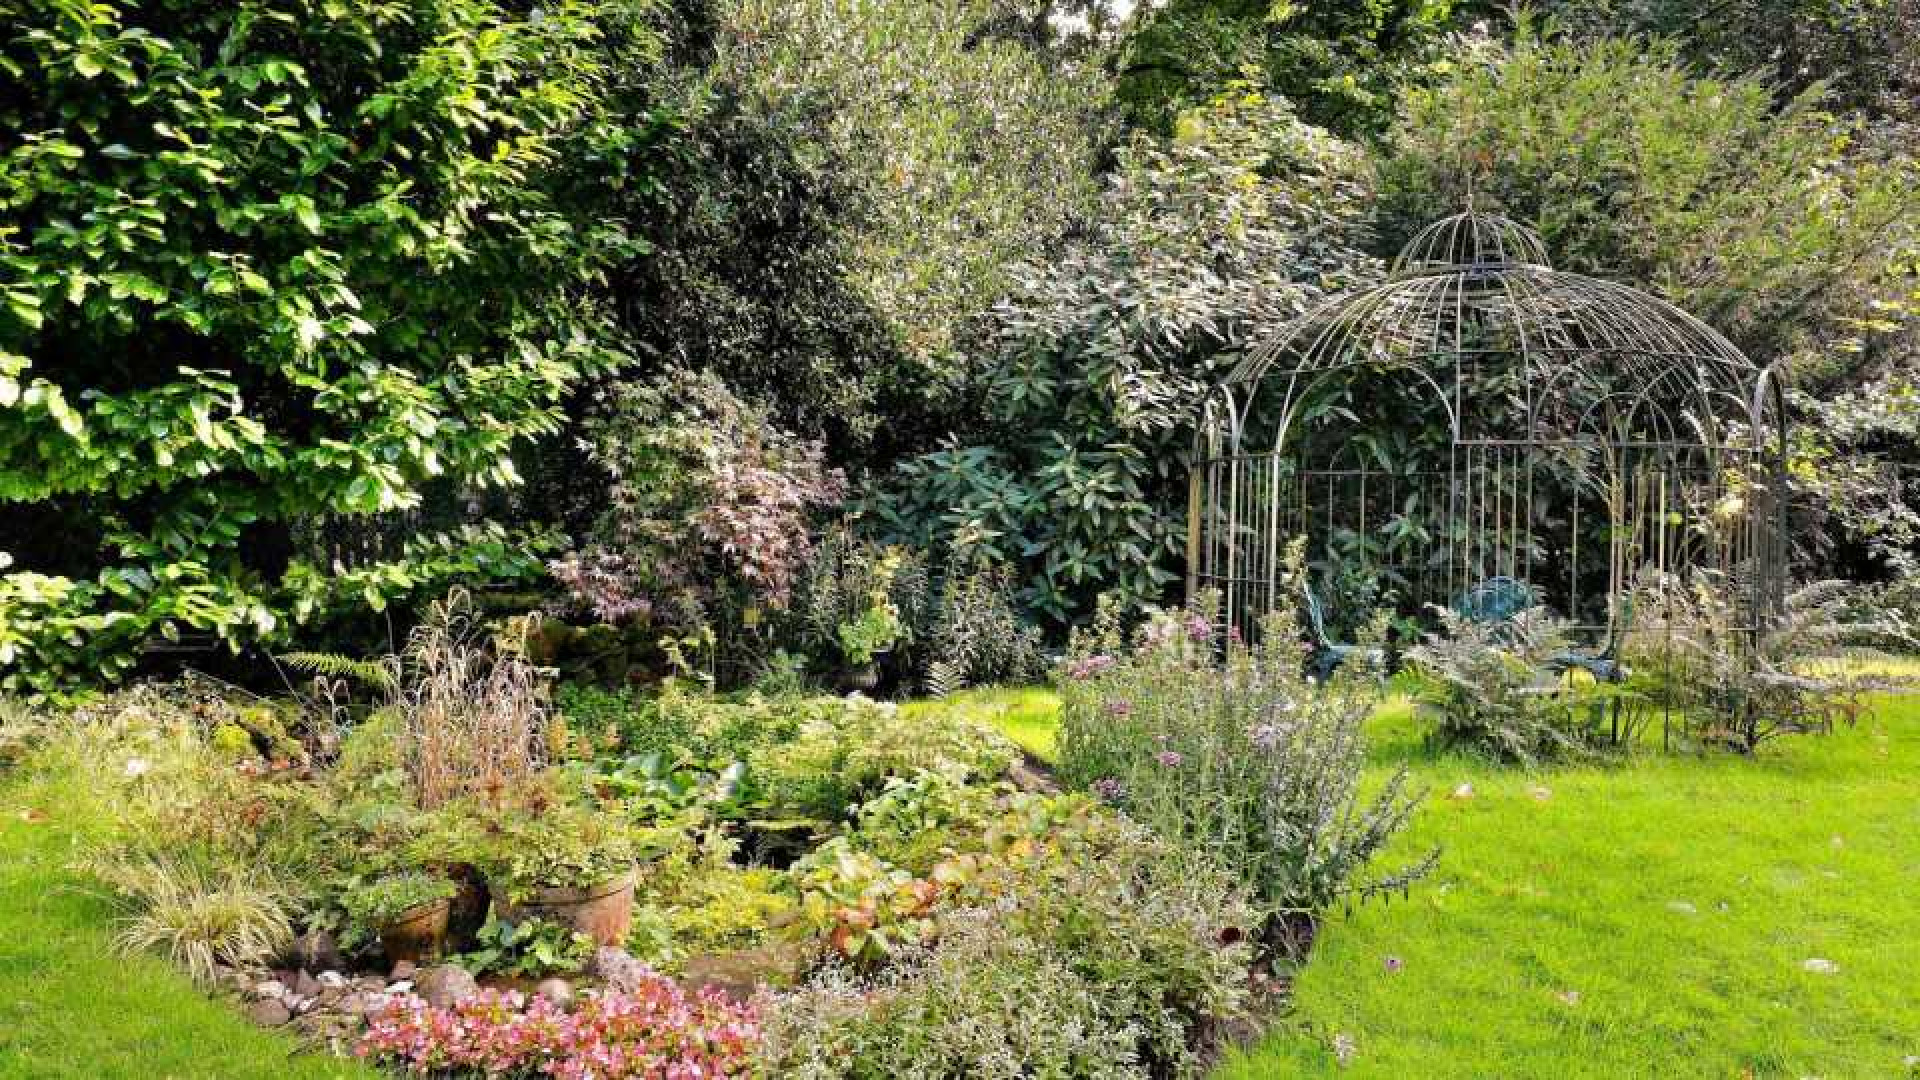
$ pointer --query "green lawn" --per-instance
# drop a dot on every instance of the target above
(1027, 715)
(71, 1007)
(1653, 919)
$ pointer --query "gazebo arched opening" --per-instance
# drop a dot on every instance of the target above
(1481, 416)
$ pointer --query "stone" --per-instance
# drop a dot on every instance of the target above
(332, 978)
(1681, 907)
(305, 985)
(617, 969)
(269, 1012)
(1032, 780)
(445, 984)
(356, 1003)
(403, 970)
(739, 975)
(558, 991)
(404, 986)
(1821, 966)
(1464, 791)
(269, 988)
(317, 950)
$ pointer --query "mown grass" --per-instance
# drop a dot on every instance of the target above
(1649, 919)
(1028, 715)
(72, 1007)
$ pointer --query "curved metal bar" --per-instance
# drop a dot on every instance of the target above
(1529, 364)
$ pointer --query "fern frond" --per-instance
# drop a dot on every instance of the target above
(371, 673)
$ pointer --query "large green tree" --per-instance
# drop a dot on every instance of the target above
(270, 261)
(1341, 64)
(972, 145)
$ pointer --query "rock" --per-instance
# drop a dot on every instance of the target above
(268, 1012)
(269, 988)
(1464, 791)
(356, 1003)
(305, 985)
(1681, 907)
(1032, 780)
(403, 970)
(617, 969)
(332, 978)
(558, 991)
(316, 950)
(445, 984)
(739, 975)
(1821, 966)
(404, 986)
(235, 980)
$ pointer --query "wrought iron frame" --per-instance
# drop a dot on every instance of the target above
(1626, 404)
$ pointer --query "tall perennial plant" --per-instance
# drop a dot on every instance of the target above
(1233, 751)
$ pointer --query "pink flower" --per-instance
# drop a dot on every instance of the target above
(1170, 758)
(1086, 667)
(656, 1032)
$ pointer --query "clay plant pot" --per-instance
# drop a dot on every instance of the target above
(861, 679)
(417, 935)
(603, 912)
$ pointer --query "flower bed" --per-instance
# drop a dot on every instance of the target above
(655, 1031)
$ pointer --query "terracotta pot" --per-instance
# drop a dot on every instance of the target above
(603, 912)
(862, 679)
(418, 934)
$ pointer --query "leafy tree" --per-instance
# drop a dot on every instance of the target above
(1867, 52)
(975, 147)
(1104, 355)
(269, 261)
(1341, 64)
(749, 243)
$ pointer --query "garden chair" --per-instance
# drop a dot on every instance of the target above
(1603, 664)
(1328, 654)
(1495, 600)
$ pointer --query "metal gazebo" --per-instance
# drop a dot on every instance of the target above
(1482, 416)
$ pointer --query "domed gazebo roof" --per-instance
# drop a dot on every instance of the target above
(1473, 298)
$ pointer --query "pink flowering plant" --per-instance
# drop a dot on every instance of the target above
(1230, 749)
(654, 1032)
